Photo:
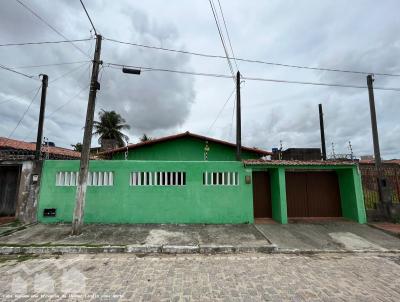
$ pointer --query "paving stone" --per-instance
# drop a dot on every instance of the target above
(198, 277)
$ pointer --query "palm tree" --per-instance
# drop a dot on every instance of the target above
(145, 138)
(77, 147)
(109, 128)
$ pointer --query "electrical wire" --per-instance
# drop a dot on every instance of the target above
(14, 98)
(252, 60)
(44, 42)
(23, 115)
(68, 72)
(233, 114)
(49, 25)
(227, 34)
(50, 64)
(248, 78)
(18, 72)
(222, 39)
(67, 102)
(220, 111)
(87, 14)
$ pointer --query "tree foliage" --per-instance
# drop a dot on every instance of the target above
(110, 126)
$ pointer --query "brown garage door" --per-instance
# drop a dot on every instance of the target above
(261, 195)
(313, 194)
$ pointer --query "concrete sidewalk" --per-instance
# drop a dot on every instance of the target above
(311, 237)
(138, 238)
(328, 236)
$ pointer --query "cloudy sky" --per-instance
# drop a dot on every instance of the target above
(354, 35)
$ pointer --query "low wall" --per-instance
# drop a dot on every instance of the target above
(123, 203)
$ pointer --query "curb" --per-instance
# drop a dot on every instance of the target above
(177, 249)
(397, 235)
(313, 252)
(137, 249)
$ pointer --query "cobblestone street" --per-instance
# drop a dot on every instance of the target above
(245, 277)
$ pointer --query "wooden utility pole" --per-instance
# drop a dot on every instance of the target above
(238, 120)
(39, 139)
(321, 127)
(77, 221)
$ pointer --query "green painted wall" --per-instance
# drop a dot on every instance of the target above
(184, 149)
(122, 203)
(278, 195)
(352, 195)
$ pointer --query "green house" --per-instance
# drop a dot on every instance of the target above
(189, 178)
(184, 147)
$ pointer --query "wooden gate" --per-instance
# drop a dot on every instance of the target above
(261, 195)
(313, 194)
(9, 181)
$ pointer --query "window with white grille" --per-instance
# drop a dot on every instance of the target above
(101, 178)
(221, 178)
(157, 178)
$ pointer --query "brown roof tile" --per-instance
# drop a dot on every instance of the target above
(21, 145)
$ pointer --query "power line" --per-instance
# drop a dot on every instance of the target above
(68, 72)
(233, 115)
(74, 96)
(68, 101)
(222, 39)
(18, 72)
(49, 25)
(87, 14)
(251, 60)
(44, 42)
(220, 111)
(23, 115)
(14, 98)
(250, 78)
(227, 34)
(50, 64)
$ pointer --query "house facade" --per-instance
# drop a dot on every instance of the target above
(188, 178)
(19, 177)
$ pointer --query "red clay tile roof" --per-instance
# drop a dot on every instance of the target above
(297, 162)
(372, 161)
(185, 134)
(21, 145)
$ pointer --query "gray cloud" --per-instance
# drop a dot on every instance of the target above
(359, 36)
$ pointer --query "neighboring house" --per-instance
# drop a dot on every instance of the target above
(189, 178)
(298, 154)
(15, 149)
(20, 176)
(369, 175)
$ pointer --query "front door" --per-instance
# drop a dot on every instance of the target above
(261, 195)
(9, 176)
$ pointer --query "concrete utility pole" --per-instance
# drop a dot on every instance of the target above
(321, 127)
(238, 120)
(375, 138)
(39, 139)
(77, 221)
(383, 188)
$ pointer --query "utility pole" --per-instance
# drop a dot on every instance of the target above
(321, 127)
(39, 139)
(238, 120)
(77, 221)
(375, 138)
(383, 188)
